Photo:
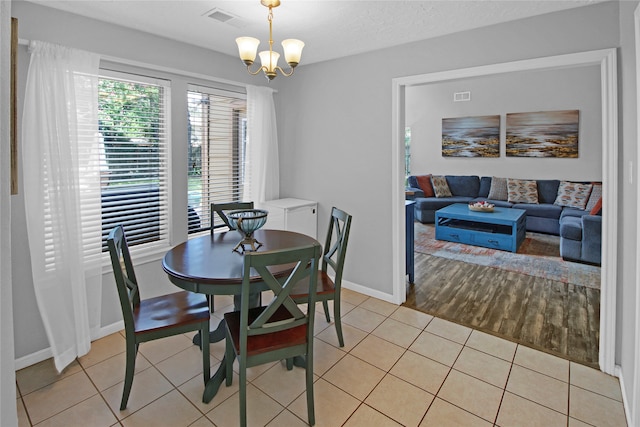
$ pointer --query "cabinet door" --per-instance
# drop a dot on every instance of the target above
(302, 220)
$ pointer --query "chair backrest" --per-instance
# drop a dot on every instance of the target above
(125, 276)
(335, 247)
(304, 261)
(219, 208)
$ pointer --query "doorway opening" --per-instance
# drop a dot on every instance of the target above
(606, 59)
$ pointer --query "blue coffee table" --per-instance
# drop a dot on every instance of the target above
(502, 229)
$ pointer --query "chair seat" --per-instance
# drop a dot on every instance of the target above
(325, 287)
(167, 311)
(258, 344)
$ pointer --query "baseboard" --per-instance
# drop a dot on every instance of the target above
(623, 390)
(44, 354)
(367, 291)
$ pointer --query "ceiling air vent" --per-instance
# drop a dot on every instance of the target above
(224, 17)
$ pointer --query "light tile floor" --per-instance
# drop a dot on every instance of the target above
(399, 367)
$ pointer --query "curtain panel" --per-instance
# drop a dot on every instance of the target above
(61, 169)
(262, 142)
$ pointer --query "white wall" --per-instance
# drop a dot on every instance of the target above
(627, 335)
(576, 88)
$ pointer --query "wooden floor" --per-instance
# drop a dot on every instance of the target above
(559, 318)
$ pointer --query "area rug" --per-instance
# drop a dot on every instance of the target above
(539, 255)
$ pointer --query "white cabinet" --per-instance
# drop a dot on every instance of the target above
(296, 215)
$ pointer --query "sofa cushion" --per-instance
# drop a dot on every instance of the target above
(547, 190)
(545, 210)
(571, 228)
(440, 186)
(498, 190)
(424, 183)
(485, 186)
(573, 194)
(466, 186)
(522, 191)
(596, 195)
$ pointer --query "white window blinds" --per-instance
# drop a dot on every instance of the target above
(217, 144)
(134, 137)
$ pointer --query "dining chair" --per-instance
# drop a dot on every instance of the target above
(153, 318)
(279, 330)
(335, 249)
(219, 209)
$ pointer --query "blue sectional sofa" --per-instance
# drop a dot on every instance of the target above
(579, 230)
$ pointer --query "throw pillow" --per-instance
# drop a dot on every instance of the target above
(596, 195)
(498, 190)
(440, 186)
(522, 191)
(424, 182)
(573, 194)
(597, 208)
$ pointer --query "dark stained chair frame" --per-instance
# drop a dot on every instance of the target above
(153, 318)
(335, 250)
(279, 330)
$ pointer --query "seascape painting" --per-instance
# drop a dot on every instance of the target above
(471, 136)
(543, 134)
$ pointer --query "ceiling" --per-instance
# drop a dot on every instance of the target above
(330, 28)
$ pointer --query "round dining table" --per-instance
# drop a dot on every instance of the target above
(208, 264)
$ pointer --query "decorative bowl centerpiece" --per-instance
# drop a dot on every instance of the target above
(481, 206)
(247, 221)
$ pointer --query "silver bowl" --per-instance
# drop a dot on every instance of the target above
(247, 221)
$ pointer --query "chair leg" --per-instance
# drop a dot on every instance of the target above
(289, 363)
(206, 361)
(337, 318)
(325, 305)
(229, 357)
(243, 392)
(309, 376)
(132, 351)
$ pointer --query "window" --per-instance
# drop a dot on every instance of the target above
(134, 133)
(217, 143)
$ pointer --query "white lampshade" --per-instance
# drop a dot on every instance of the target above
(292, 51)
(264, 59)
(247, 48)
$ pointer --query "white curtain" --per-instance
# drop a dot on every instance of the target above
(262, 142)
(61, 172)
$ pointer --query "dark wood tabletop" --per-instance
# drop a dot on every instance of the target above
(208, 264)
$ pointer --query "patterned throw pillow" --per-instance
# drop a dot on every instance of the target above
(572, 194)
(522, 191)
(440, 186)
(498, 190)
(596, 195)
(424, 182)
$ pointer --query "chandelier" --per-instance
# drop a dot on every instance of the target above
(248, 46)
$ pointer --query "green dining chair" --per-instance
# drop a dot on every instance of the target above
(153, 318)
(279, 330)
(219, 210)
(335, 250)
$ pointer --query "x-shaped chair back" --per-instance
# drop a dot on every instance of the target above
(220, 208)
